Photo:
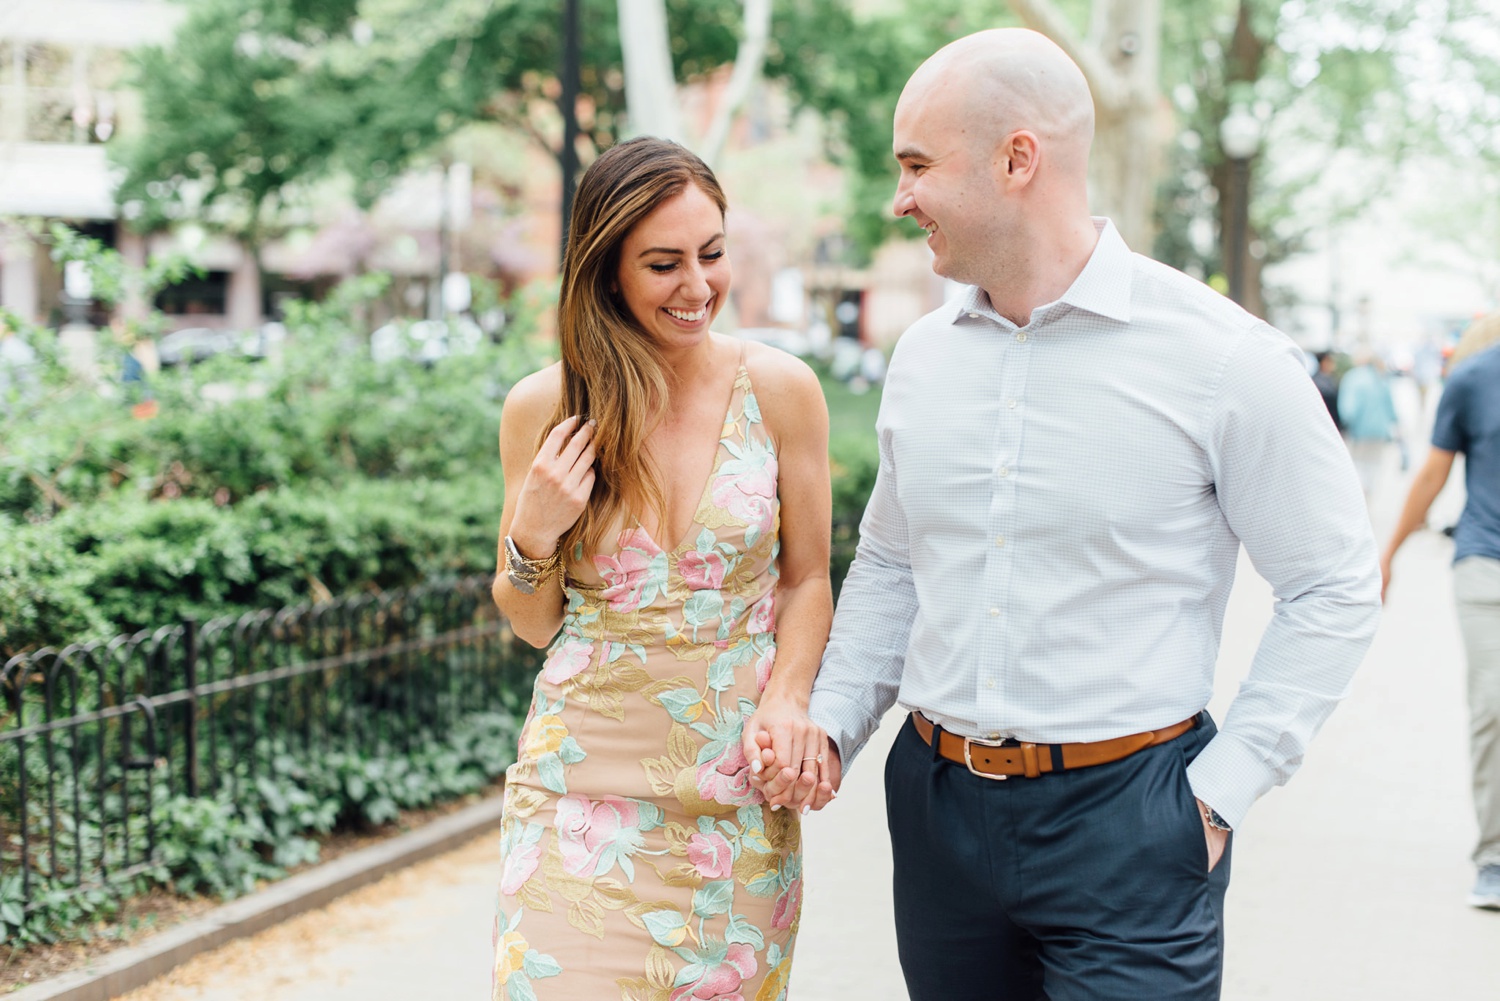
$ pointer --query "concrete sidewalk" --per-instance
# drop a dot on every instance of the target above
(1349, 884)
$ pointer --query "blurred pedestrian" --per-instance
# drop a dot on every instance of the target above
(1071, 454)
(1326, 378)
(1468, 421)
(666, 529)
(1427, 370)
(1369, 415)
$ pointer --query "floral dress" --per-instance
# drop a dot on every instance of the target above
(639, 862)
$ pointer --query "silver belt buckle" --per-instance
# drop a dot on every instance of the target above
(969, 759)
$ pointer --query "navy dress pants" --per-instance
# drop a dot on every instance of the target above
(1083, 885)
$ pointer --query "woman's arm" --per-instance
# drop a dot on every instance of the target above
(797, 418)
(546, 491)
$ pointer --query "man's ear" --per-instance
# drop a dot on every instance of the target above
(1016, 159)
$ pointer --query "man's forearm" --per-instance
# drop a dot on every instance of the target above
(1425, 487)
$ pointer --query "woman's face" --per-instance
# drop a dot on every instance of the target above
(674, 272)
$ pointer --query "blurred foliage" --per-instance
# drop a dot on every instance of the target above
(257, 99)
(1350, 76)
(236, 116)
(260, 484)
(255, 484)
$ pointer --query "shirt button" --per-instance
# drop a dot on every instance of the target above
(1004, 471)
(994, 612)
(1021, 337)
(973, 316)
(1011, 404)
(990, 684)
(999, 540)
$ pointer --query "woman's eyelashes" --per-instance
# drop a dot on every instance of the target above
(666, 267)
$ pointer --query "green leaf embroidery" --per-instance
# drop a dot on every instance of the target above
(714, 898)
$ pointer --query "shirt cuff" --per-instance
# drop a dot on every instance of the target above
(848, 723)
(1230, 776)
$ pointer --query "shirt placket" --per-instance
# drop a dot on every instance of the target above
(1007, 477)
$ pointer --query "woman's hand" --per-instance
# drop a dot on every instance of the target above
(791, 760)
(556, 490)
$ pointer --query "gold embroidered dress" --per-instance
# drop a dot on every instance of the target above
(639, 863)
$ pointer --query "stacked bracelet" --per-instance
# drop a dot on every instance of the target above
(526, 575)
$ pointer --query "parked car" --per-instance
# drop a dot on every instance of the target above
(425, 341)
(263, 341)
(195, 344)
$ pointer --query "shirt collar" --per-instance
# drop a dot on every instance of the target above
(1102, 287)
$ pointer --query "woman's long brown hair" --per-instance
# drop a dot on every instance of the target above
(611, 371)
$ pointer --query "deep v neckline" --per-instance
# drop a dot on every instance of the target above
(713, 466)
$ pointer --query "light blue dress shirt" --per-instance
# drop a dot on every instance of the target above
(1052, 537)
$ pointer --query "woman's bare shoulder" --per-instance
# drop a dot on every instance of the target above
(782, 376)
(532, 401)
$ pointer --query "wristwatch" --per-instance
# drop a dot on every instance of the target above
(526, 575)
(1212, 819)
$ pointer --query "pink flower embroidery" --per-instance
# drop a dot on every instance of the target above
(703, 571)
(726, 779)
(711, 854)
(721, 982)
(746, 485)
(520, 862)
(787, 905)
(571, 657)
(763, 668)
(763, 615)
(592, 835)
(634, 575)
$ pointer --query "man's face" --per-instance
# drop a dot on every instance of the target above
(946, 184)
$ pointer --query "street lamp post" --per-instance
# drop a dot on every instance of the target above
(568, 104)
(1239, 138)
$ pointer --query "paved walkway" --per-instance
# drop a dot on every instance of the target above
(1348, 884)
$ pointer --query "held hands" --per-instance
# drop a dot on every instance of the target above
(792, 761)
(557, 488)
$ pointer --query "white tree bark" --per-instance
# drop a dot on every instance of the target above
(748, 61)
(1121, 61)
(650, 87)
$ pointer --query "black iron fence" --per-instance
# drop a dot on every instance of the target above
(95, 737)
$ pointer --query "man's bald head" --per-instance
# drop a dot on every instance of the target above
(1008, 79)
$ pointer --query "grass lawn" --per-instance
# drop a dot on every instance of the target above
(851, 416)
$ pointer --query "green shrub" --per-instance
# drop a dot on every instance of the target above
(44, 591)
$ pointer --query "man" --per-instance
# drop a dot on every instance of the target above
(1070, 458)
(1468, 421)
(1326, 378)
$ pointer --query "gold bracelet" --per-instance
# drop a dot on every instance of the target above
(526, 575)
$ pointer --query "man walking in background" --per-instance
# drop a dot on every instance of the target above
(1326, 378)
(1070, 456)
(1468, 421)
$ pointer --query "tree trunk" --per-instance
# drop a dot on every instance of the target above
(1120, 58)
(650, 87)
(1243, 66)
(747, 66)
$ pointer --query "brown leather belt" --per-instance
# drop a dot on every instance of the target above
(1002, 759)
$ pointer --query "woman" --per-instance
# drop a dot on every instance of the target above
(667, 507)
